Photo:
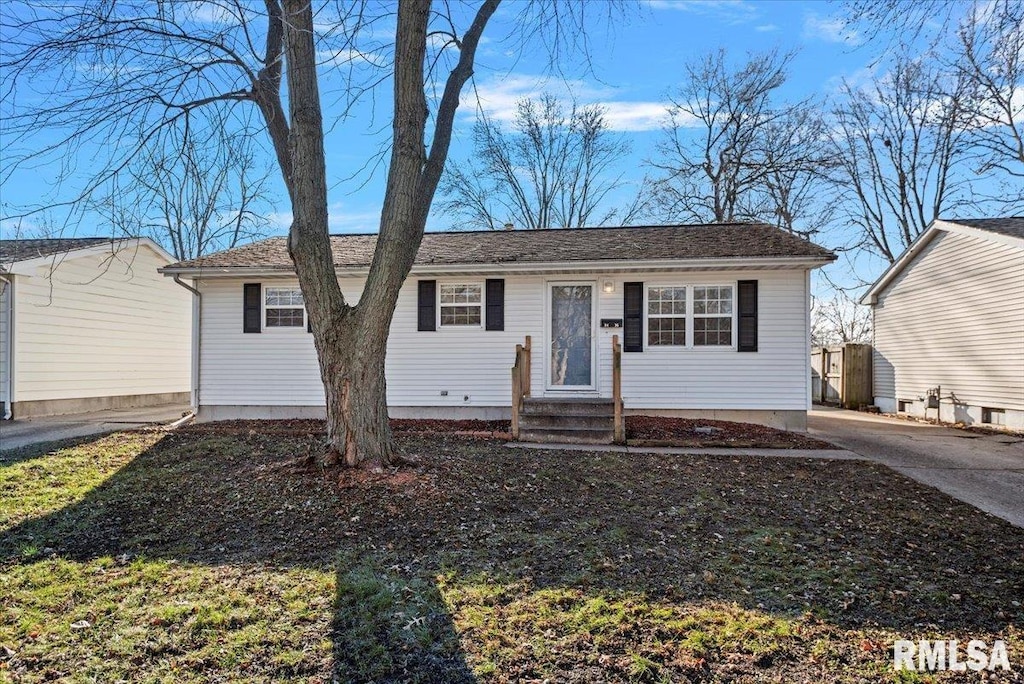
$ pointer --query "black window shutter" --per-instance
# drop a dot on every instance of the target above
(252, 307)
(633, 317)
(427, 305)
(495, 302)
(747, 299)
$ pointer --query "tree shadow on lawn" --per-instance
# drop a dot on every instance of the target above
(500, 551)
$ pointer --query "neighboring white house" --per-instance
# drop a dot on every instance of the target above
(713, 319)
(89, 323)
(949, 321)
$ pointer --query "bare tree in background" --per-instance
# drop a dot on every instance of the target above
(111, 68)
(990, 58)
(196, 188)
(839, 319)
(730, 152)
(553, 169)
(983, 42)
(797, 160)
(901, 145)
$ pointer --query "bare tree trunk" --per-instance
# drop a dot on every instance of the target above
(351, 342)
(352, 367)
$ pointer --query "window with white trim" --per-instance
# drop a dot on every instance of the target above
(673, 311)
(712, 316)
(284, 307)
(461, 304)
(666, 316)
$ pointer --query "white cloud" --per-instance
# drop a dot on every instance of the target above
(498, 98)
(729, 11)
(339, 220)
(830, 30)
(859, 79)
(634, 116)
(766, 28)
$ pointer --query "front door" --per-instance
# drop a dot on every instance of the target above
(571, 333)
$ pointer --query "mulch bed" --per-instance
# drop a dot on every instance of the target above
(642, 431)
(687, 432)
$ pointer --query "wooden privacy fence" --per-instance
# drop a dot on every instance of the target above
(841, 375)
(520, 383)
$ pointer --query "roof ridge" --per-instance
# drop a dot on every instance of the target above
(521, 231)
(551, 246)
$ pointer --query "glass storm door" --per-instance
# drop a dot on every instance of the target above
(571, 364)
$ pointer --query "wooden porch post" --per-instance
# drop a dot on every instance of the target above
(619, 431)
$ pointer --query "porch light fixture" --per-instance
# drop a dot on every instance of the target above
(608, 287)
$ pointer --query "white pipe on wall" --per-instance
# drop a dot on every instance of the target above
(8, 381)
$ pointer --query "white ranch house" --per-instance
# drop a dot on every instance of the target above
(949, 322)
(89, 324)
(713, 322)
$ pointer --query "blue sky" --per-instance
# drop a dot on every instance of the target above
(635, 63)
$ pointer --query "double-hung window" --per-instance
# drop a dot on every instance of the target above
(666, 316)
(284, 307)
(690, 316)
(461, 304)
(712, 316)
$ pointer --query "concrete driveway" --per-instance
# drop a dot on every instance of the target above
(15, 434)
(986, 471)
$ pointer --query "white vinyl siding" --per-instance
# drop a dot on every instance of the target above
(954, 317)
(774, 378)
(5, 338)
(100, 325)
(471, 365)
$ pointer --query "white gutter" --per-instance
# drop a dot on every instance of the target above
(8, 381)
(516, 267)
(197, 311)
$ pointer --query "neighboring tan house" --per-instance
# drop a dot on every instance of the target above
(949, 322)
(713, 321)
(87, 324)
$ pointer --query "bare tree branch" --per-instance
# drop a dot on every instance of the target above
(902, 147)
(729, 152)
(552, 170)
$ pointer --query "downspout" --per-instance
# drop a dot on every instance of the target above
(8, 381)
(197, 310)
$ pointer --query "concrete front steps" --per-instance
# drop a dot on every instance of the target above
(567, 421)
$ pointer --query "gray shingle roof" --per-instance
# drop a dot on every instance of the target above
(1008, 225)
(21, 250)
(648, 243)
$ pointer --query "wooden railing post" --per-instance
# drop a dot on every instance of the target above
(527, 370)
(520, 383)
(516, 389)
(619, 431)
